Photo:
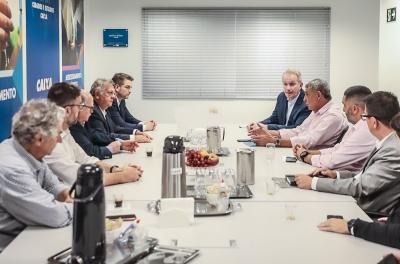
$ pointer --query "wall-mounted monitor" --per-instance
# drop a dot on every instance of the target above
(115, 37)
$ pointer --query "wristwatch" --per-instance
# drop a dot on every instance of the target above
(350, 226)
(303, 155)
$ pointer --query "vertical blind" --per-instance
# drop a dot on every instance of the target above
(205, 53)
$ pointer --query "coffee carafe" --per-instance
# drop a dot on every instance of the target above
(88, 234)
(173, 168)
(245, 166)
(215, 135)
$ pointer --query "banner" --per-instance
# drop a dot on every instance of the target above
(11, 88)
(72, 41)
(42, 46)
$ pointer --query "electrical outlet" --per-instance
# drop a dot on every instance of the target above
(391, 14)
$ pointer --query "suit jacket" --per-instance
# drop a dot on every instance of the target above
(377, 188)
(103, 130)
(84, 139)
(387, 234)
(122, 117)
(278, 118)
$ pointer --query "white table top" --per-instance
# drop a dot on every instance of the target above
(149, 187)
(261, 232)
(260, 229)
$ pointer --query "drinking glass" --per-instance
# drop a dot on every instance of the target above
(270, 147)
(271, 186)
(290, 210)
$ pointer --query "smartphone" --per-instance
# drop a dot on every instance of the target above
(244, 140)
(290, 180)
(334, 216)
(291, 159)
(126, 217)
(389, 259)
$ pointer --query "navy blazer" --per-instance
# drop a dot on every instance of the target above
(122, 117)
(278, 118)
(103, 130)
(84, 139)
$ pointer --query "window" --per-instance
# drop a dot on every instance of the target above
(230, 54)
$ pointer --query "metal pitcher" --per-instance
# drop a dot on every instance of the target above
(245, 166)
(215, 135)
(173, 168)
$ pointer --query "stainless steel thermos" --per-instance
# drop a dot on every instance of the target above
(88, 234)
(173, 168)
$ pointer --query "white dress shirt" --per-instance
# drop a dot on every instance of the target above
(67, 157)
(290, 105)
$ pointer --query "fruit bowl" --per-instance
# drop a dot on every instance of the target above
(201, 158)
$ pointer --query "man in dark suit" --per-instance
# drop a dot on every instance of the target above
(376, 187)
(290, 110)
(118, 112)
(100, 125)
(84, 138)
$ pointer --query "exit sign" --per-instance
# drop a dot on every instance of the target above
(391, 14)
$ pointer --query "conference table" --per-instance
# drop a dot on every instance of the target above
(257, 231)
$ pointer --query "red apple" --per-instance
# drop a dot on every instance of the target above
(212, 160)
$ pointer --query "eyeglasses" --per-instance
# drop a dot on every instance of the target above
(80, 106)
(90, 108)
(365, 116)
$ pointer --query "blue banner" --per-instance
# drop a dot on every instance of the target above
(42, 46)
(11, 88)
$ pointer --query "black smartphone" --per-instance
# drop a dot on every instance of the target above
(291, 159)
(290, 180)
(389, 259)
(244, 140)
(126, 217)
(334, 216)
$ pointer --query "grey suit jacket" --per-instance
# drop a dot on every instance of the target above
(377, 189)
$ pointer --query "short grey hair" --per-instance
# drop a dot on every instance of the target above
(293, 72)
(38, 116)
(99, 85)
(321, 86)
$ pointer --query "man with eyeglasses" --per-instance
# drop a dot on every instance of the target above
(290, 110)
(84, 138)
(376, 187)
(67, 156)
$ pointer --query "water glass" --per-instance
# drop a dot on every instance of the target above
(290, 210)
(271, 186)
(270, 147)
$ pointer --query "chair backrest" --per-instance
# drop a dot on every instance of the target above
(342, 135)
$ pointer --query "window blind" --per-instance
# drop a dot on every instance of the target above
(215, 54)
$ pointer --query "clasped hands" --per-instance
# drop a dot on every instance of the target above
(128, 145)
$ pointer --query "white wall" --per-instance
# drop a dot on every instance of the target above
(354, 53)
(389, 49)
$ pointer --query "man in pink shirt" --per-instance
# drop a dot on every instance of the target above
(321, 129)
(357, 143)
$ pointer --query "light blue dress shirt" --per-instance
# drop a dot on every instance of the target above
(28, 191)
